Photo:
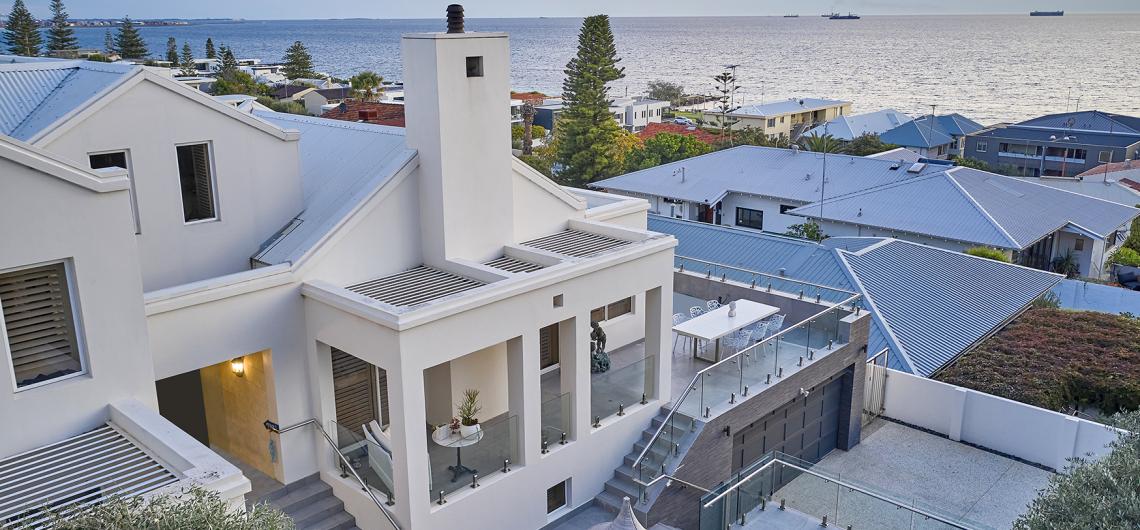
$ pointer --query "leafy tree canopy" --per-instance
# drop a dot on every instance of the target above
(674, 93)
(298, 62)
(972, 163)
(867, 144)
(589, 148)
(988, 253)
(172, 51)
(129, 43)
(664, 148)
(807, 230)
(517, 131)
(238, 82)
(61, 37)
(198, 508)
(211, 53)
(22, 32)
(368, 84)
(186, 60)
(823, 143)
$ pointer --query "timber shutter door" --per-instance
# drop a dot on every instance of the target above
(548, 346)
(354, 390)
(202, 181)
(36, 308)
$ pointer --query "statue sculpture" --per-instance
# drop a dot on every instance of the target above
(599, 359)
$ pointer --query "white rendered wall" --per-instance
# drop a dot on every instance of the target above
(45, 219)
(774, 221)
(257, 176)
(1033, 434)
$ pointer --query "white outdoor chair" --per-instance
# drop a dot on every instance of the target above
(677, 319)
(695, 312)
(712, 305)
(775, 324)
(742, 339)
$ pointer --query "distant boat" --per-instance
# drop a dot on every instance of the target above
(829, 15)
(1046, 13)
(791, 16)
(848, 16)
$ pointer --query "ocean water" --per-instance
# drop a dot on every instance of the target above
(991, 68)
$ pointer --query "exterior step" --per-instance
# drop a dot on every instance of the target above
(340, 521)
(622, 488)
(316, 511)
(299, 498)
(312, 506)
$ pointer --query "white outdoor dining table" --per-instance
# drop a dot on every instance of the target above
(715, 324)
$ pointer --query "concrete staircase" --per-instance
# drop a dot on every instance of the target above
(312, 505)
(623, 483)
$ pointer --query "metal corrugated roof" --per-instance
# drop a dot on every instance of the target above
(1044, 136)
(917, 133)
(954, 124)
(34, 94)
(973, 206)
(939, 303)
(1087, 120)
(933, 302)
(342, 164)
(781, 173)
(848, 128)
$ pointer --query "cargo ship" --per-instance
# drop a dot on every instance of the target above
(1046, 13)
(848, 16)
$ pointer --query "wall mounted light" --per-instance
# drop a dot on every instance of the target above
(238, 366)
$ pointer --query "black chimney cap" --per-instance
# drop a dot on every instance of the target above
(455, 18)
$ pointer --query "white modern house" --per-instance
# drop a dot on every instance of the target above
(237, 269)
(787, 118)
(632, 113)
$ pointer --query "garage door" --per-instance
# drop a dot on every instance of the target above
(805, 427)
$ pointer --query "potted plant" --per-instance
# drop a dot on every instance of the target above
(467, 409)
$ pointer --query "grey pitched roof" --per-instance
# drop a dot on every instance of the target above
(929, 305)
(848, 128)
(916, 134)
(1046, 135)
(1110, 188)
(952, 124)
(973, 206)
(342, 165)
(900, 154)
(36, 93)
(1087, 120)
(779, 173)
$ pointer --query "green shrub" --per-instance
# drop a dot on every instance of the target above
(1103, 493)
(198, 508)
(1125, 256)
(988, 253)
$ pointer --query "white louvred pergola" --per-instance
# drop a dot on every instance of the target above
(624, 521)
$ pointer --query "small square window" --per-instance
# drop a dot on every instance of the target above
(981, 147)
(39, 324)
(475, 66)
(1078, 245)
(556, 497)
(557, 300)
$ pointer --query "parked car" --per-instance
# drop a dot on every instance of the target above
(684, 121)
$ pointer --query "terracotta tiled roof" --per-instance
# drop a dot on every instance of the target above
(1113, 166)
(534, 98)
(376, 113)
(653, 129)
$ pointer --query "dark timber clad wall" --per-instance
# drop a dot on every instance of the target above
(709, 461)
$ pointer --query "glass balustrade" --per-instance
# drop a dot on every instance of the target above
(460, 460)
(614, 391)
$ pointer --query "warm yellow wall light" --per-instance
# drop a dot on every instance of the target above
(238, 366)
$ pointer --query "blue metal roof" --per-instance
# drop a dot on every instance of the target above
(342, 164)
(976, 207)
(1045, 136)
(848, 128)
(787, 174)
(1087, 120)
(916, 134)
(929, 305)
(788, 106)
(937, 304)
(953, 124)
(36, 93)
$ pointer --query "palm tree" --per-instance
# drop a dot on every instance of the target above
(368, 84)
(824, 143)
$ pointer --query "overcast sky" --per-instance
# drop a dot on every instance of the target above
(278, 9)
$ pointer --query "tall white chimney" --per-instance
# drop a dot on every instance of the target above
(457, 114)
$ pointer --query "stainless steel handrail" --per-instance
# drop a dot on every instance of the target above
(693, 382)
(766, 275)
(883, 498)
(347, 465)
(664, 476)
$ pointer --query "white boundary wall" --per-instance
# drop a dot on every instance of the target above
(1030, 433)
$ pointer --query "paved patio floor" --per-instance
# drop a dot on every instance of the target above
(962, 483)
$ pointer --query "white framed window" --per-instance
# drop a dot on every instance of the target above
(121, 159)
(40, 327)
(981, 147)
(1078, 244)
(1105, 157)
(197, 182)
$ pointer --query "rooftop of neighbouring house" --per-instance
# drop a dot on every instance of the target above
(391, 114)
(36, 93)
(916, 133)
(533, 97)
(848, 128)
(1130, 166)
(787, 106)
(900, 154)
(1086, 120)
(976, 207)
(790, 174)
(1019, 132)
(342, 164)
(1115, 187)
(929, 304)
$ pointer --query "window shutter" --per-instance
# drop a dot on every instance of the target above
(39, 323)
(354, 391)
(202, 181)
